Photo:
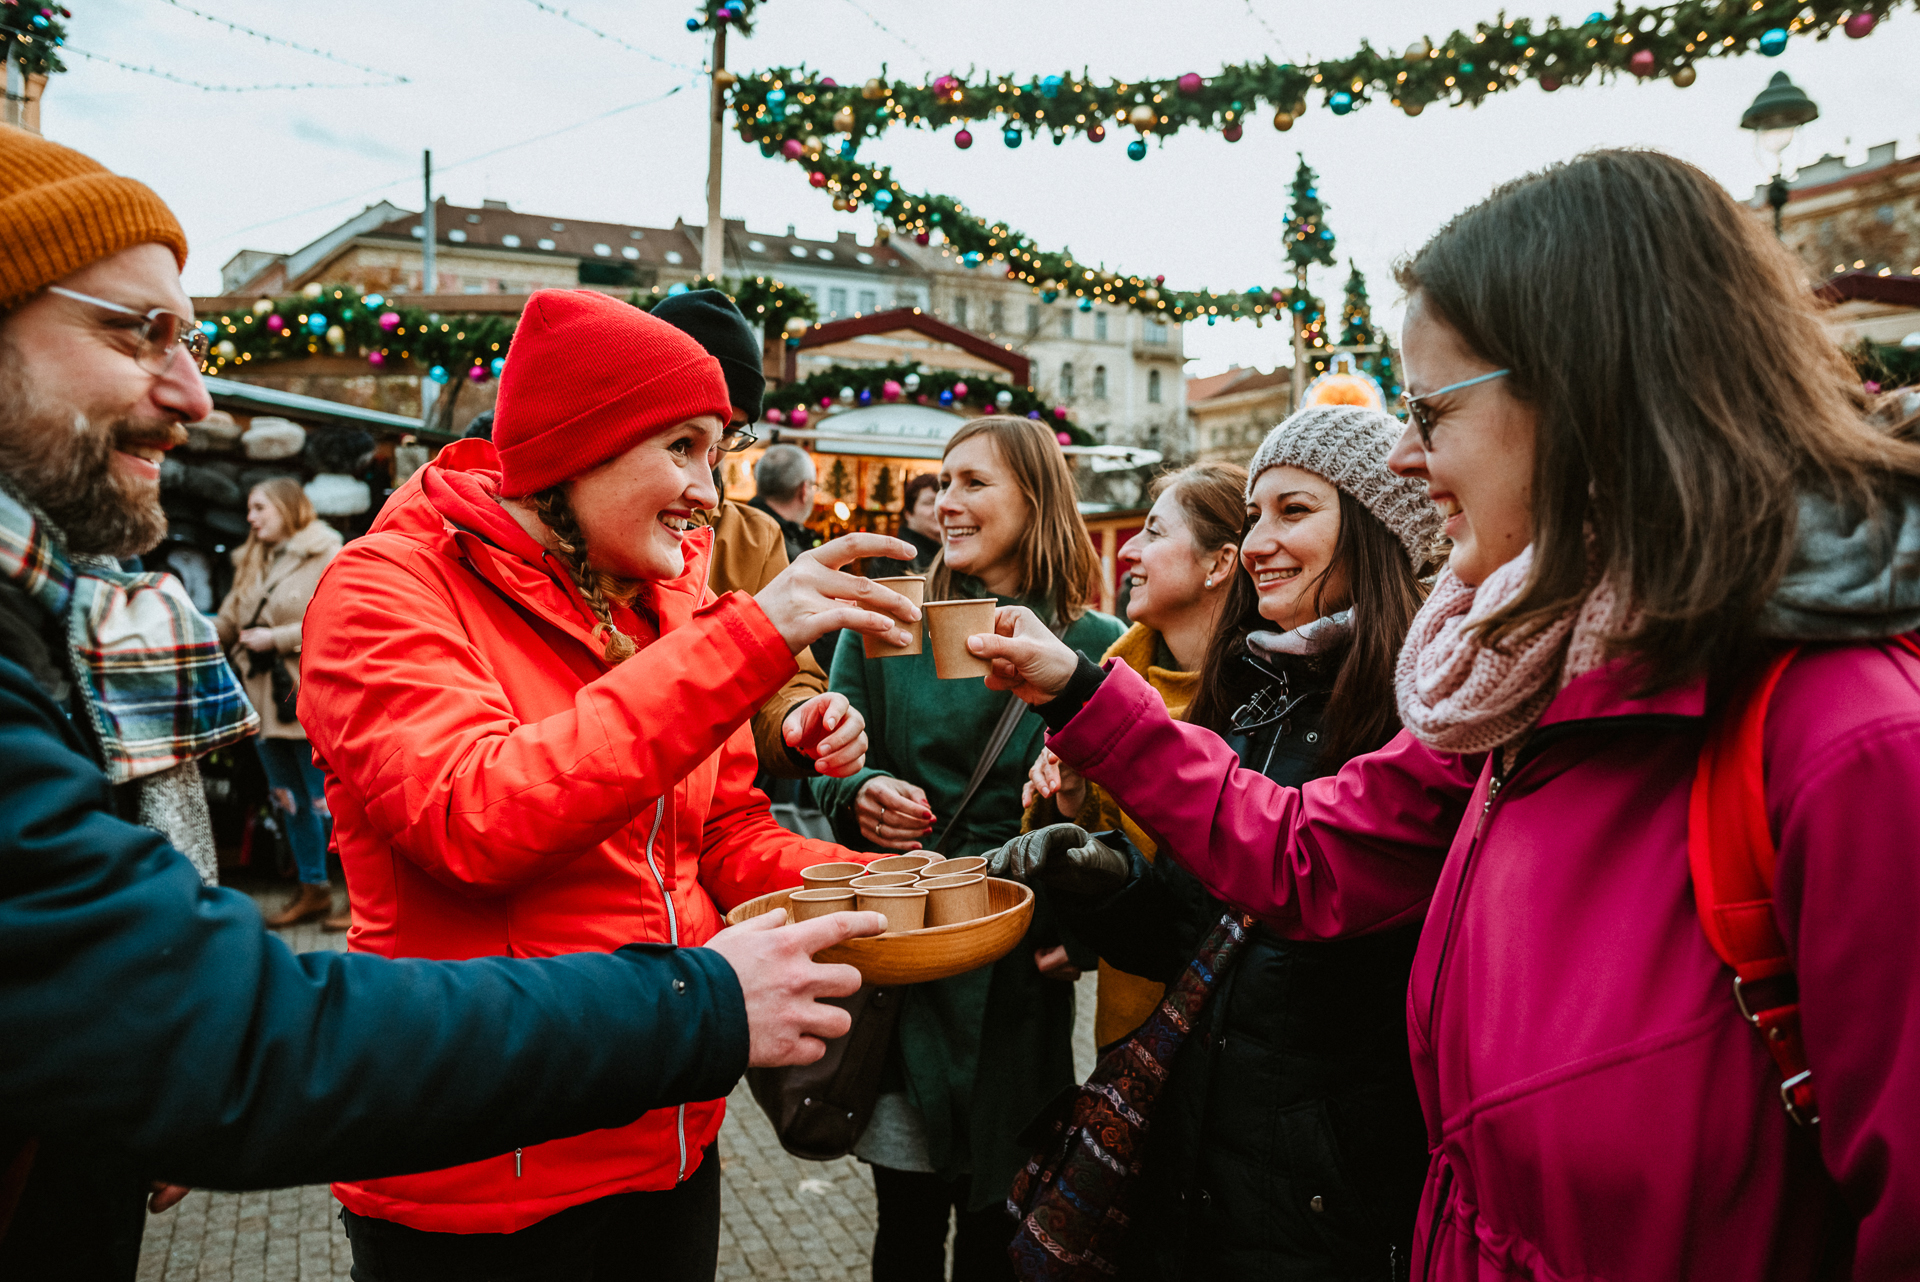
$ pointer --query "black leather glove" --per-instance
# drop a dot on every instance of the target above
(1064, 855)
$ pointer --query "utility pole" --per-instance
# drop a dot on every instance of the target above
(1299, 340)
(712, 246)
(429, 390)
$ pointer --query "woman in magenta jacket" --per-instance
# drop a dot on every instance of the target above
(1655, 470)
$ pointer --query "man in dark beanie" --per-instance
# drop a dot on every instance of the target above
(748, 550)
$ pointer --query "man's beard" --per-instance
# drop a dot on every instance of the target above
(62, 462)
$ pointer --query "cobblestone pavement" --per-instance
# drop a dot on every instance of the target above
(780, 1218)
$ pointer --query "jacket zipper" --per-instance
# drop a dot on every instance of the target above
(673, 937)
(1494, 785)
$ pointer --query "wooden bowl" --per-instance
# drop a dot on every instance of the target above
(934, 952)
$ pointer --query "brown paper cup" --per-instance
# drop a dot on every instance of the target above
(883, 880)
(949, 624)
(831, 874)
(958, 867)
(914, 588)
(818, 901)
(952, 900)
(900, 863)
(904, 907)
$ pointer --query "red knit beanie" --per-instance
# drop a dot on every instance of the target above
(587, 377)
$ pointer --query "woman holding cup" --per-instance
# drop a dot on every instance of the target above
(1664, 499)
(980, 1053)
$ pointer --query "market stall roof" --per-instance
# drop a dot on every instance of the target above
(248, 398)
(906, 430)
(930, 334)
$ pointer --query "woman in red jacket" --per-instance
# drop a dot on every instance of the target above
(532, 715)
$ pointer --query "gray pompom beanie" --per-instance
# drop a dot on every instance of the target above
(1349, 446)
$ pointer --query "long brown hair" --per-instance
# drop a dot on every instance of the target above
(1057, 560)
(1212, 496)
(1685, 391)
(1385, 595)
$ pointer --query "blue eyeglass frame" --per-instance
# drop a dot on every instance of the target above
(1418, 411)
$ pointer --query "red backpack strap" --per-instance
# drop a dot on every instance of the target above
(1731, 852)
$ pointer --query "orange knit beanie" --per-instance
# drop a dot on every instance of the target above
(60, 211)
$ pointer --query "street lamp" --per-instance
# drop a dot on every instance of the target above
(1774, 117)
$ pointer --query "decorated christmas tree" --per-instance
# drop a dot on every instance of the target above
(838, 483)
(1358, 330)
(1309, 240)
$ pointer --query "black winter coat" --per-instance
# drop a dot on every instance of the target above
(150, 1028)
(1288, 1142)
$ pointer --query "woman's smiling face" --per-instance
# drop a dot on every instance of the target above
(637, 508)
(1293, 529)
(982, 514)
(1478, 465)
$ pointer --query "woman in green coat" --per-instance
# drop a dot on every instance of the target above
(979, 1054)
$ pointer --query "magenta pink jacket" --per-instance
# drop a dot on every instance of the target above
(1596, 1107)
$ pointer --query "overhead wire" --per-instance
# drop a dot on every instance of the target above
(566, 16)
(289, 44)
(866, 13)
(210, 88)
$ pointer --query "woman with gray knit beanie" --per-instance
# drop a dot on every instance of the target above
(1288, 1140)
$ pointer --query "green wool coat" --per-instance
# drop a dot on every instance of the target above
(981, 1053)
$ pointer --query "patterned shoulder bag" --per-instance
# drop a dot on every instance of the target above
(1073, 1199)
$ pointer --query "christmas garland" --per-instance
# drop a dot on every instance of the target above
(341, 320)
(808, 401)
(791, 112)
(32, 33)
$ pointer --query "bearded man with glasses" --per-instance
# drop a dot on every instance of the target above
(154, 1035)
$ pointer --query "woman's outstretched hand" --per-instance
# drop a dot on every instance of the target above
(831, 731)
(813, 596)
(893, 813)
(1027, 658)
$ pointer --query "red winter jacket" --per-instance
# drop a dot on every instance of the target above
(498, 789)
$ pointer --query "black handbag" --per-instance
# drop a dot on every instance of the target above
(285, 689)
(820, 1110)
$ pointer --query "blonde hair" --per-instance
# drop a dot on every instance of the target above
(296, 514)
(1057, 560)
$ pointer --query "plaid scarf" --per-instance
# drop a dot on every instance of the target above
(156, 687)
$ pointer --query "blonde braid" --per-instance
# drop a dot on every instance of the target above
(556, 512)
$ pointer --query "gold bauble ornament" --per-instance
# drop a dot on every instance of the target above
(261, 306)
(336, 337)
(814, 146)
(724, 78)
(1143, 117)
(882, 234)
(310, 290)
(1684, 75)
(797, 325)
(1299, 107)
(1150, 294)
(1413, 108)
(1418, 51)
(1283, 120)
(874, 90)
(843, 120)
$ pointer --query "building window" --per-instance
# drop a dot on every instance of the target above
(869, 301)
(1033, 319)
(836, 302)
(673, 255)
(510, 240)
(1066, 381)
(457, 236)
(1066, 324)
(960, 312)
(1100, 380)
(1100, 326)
(996, 317)
(906, 298)
(1153, 386)
(603, 250)
(1157, 333)
(546, 242)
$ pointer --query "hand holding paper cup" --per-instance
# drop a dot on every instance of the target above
(949, 624)
(914, 588)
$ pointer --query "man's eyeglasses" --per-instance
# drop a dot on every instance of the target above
(731, 441)
(160, 331)
(1423, 416)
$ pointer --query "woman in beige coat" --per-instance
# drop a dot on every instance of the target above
(275, 573)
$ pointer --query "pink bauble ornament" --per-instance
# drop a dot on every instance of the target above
(890, 390)
(775, 416)
(389, 321)
(476, 373)
(828, 82)
(1065, 438)
(963, 140)
(1641, 64)
(1232, 132)
(1190, 83)
(799, 416)
(1549, 83)
(817, 178)
(922, 239)
(276, 321)
(793, 149)
(376, 359)
(1059, 411)
(921, 399)
(825, 401)
(959, 390)
(1860, 25)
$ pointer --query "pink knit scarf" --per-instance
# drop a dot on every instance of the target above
(1460, 695)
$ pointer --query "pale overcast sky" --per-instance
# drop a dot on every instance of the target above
(271, 170)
